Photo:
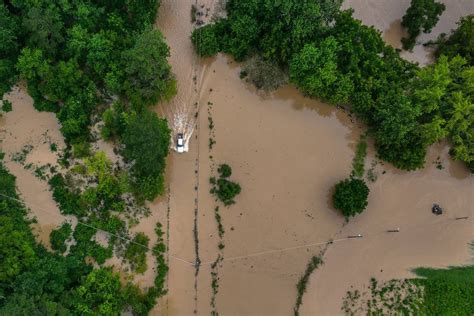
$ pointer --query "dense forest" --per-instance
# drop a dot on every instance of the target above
(332, 56)
(35, 281)
(79, 56)
(92, 63)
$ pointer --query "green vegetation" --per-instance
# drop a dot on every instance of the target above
(9, 48)
(313, 264)
(394, 297)
(77, 56)
(135, 253)
(60, 236)
(147, 139)
(438, 292)
(350, 196)
(460, 42)
(194, 12)
(37, 282)
(20, 156)
(263, 74)
(162, 268)
(447, 291)
(359, 158)
(224, 170)
(421, 15)
(6, 106)
(332, 56)
(225, 190)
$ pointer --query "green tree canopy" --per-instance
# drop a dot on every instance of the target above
(350, 196)
(147, 140)
(421, 15)
(148, 74)
(460, 41)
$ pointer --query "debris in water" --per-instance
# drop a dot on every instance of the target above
(436, 209)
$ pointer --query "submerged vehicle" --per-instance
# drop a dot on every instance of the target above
(180, 143)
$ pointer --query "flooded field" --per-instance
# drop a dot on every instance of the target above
(287, 152)
(27, 129)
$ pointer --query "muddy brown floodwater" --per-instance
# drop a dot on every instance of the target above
(287, 152)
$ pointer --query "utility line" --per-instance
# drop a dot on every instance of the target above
(261, 252)
(98, 229)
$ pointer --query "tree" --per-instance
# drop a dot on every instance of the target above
(147, 139)
(17, 252)
(99, 294)
(135, 253)
(315, 70)
(60, 236)
(45, 28)
(461, 129)
(9, 39)
(350, 196)
(460, 42)
(421, 15)
(148, 74)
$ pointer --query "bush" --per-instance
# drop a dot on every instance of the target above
(60, 236)
(136, 251)
(205, 40)
(263, 74)
(6, 106)
(82, 149)
(226, 191)
(224, 171)
(350, 196)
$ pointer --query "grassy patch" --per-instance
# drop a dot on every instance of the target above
(359, 159)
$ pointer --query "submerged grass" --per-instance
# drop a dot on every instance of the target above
(313, 264)
(359, 159)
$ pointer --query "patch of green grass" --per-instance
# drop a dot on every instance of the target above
(359, 159)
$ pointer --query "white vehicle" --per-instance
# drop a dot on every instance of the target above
(180, 143)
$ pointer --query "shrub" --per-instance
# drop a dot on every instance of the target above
(205, 40)
(136, 251)
(6, 106)
(359, 159)
(350, 196)
(263, 74)
(226, 191)
(60, 236)
(224, 171)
